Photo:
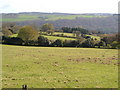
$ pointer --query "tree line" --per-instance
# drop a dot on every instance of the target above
(28, 35)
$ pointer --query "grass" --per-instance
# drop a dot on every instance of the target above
(55, 38)
(65, 34)
(70, 34)
(62, 38)
(48, 67)
(46, 17)
(92, 36)
(50, 37)
(14, 35)
(22, 17)
(70, 17)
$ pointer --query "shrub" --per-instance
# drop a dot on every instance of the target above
(114, 44)
(13, 40)
(71, 43)
(43, 41)
(58, 43)
(89, 43)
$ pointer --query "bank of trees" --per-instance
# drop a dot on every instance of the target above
(27, 35)
(70, 30)
(9, 29)
(110, 41)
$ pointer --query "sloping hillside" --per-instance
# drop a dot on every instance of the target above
(102, 22)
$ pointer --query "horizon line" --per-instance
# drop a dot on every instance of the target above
(55, 12)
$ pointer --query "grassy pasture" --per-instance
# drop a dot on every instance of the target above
(70, 17)
(48, 67)
(62, 38)
(70, 34)
(21, 17)
(92, 36)
(47, 17)
(50, 37)
(55, 38)
(66, 34)
(14, 35)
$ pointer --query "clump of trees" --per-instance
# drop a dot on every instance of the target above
(57, 43)
(12, 40)
(28, 35)
(9, 29)
(70, 30)
(110, 41)
(48, 28)
(43, 41)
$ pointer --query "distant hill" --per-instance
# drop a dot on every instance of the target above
(92, 21)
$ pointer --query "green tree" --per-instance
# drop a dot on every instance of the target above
(58, 43)
(101, 43)
(12, 40)
(47, 26)
(88, 43)
(7, 32)
(50, 32)
(43, 41)
(10, 27)
(27, 33)
(114, 44)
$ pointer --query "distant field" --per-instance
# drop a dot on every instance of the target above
(55, 38)
(97, 37)
(57, 17)
(20, 18)
(66, 34)
(62, 38)
(50, 37)
(70, 34)
(54, 67)
(45, 17)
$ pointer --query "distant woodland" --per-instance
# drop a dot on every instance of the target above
(106, 23)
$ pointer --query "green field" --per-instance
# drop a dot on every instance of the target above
(45, 17)
(14, 35)
(55, 67)
(62, 38)
(65, 34)
(92, 36)
(57, 17)
(55, 38)
(50, 37)
(20, 18)
(71, 35)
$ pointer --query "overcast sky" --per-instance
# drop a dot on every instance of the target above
(64, 6)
